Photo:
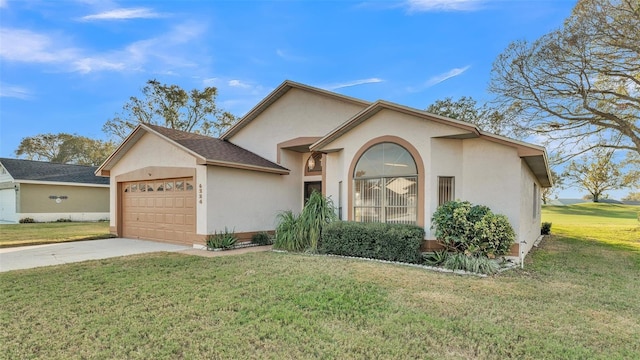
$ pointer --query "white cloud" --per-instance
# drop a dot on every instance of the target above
(442, 5)
(12, 91)
(288, 56)
(158, 55)
(27, 46)
(445, 76)
(440, 78)
(123, 14)
(238, 84)
(3, 3)
(352, 83)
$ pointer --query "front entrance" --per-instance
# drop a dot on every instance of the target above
(310, 187)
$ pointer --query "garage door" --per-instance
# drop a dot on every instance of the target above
(159, 210)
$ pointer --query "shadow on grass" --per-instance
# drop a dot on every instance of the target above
(597, 209)
(46, 242)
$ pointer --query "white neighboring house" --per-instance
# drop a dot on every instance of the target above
(47, 191)
(378, 161)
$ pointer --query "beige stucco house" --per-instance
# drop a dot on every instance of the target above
(46, 191)
(378, 161)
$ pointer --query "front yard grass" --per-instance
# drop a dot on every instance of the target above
(44, 233)
(575, 299)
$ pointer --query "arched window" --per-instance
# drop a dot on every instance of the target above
(385, 185)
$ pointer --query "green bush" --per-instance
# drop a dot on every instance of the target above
(472, 229)
(392, 242)
(26, 220)
(262, 238)
(223, 240)
(435, 258)
(302, 232)
(545, 229)
(63, 220)
(480, 265)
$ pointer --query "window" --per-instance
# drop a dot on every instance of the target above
(446, 189)
(179, 185)
(386, 185)
(168, 186)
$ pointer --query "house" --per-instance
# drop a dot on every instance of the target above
(378, 161)
(46, 191)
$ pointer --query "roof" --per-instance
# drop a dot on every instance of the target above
(206, 149)
(276, 94)
(41, 171)
(535, 156)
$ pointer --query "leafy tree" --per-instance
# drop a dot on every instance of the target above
(65, 149)
(598, 173)
(578, 86)
(632, 196)
(547, 193)
(173, 107)
(466, 109)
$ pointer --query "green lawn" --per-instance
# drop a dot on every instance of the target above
(575, 299)
(43, 233)
(608, 223)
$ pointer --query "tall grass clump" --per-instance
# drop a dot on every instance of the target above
(302, 232)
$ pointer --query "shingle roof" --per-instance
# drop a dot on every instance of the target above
(50, 172)
(215, 150)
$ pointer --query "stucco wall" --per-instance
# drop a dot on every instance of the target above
(529, 230)
(296, 114)
(247, 201)
(416, 131)
(485, 172)
(492, 177)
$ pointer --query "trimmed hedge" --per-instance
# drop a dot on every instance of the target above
(393, 242)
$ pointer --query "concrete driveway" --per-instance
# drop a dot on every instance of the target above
(27, 257)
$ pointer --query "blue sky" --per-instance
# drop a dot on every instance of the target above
(68, 66)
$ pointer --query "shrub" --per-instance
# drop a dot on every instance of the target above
(26, 220)
(435, 258)
(63, 220)
(480, 265)
(472, 229)
(392, 242)
(223, 240)
(545, 229)
(262, 238)
(302, 232)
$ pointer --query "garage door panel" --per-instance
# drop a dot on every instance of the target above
(158, 214)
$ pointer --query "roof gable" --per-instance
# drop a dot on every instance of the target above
(276, 94)
(206, 149)
(534, 156)
(469, 130)
(41, 171)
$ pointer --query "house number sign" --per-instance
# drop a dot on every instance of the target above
(200, 193)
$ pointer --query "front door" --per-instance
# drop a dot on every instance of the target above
(309, 187)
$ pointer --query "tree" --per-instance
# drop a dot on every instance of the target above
(173, 107)
(632, 196)
(65, 148)
(547, 193)
(467, 109)
(598, 173)
(578, 86)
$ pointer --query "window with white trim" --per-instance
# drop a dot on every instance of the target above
(385, 185)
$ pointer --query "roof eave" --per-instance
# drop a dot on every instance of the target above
(234, 165)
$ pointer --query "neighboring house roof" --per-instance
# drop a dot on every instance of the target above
(206, 149)
(535, 156)
(40, 171)
(276, 94)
